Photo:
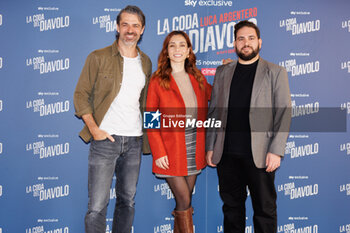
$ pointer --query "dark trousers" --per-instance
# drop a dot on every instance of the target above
(235, 174)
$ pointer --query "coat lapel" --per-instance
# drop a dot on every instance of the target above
(260, 75)
(175, 88)
(196, 89)
(228, 75)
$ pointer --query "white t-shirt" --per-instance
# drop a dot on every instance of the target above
(123, 117)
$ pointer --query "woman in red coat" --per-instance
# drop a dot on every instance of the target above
(180, 93)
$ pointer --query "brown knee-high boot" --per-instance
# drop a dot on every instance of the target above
(183, 222)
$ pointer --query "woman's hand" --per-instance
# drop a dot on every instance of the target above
(163, 162)
(226, 61)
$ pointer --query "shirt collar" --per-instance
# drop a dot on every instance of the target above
(115, 49)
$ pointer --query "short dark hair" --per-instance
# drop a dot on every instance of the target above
(246, 23)
(132, 10)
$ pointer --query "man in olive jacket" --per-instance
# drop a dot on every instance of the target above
(109, 97)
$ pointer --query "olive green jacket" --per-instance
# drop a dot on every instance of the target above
(99, 84)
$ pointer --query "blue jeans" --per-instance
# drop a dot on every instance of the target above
(122, 157)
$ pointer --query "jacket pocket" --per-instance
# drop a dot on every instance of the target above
(104, 82)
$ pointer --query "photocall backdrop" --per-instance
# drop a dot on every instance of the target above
(43, 162)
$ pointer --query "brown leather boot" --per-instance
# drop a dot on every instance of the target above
(183, 222)
(176, 227)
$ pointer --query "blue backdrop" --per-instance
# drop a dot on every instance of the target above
(43, 162)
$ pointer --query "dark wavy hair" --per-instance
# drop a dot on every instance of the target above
(164, 69)
(131, 10)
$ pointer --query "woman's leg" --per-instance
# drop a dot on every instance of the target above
(182, 188)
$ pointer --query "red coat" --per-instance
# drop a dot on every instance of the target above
(171, 141)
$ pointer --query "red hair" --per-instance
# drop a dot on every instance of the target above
(163, 71)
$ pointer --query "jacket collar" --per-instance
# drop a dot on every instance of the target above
(260, 75)
(258, 80)
(116, 52)
(195, 86)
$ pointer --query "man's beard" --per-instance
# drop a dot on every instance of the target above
(129, 42)
(249, 56)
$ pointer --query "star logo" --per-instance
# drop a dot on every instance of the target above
(151, 120)
(156, 115)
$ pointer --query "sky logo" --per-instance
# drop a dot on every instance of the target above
(151, 120)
